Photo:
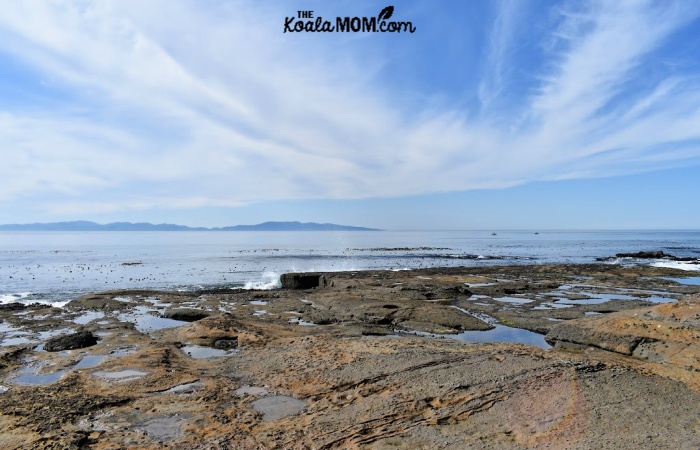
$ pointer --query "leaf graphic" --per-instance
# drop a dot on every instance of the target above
(386, 13)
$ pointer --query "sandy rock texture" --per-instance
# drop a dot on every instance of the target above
(373, 360)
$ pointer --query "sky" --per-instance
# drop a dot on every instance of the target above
(492, 114)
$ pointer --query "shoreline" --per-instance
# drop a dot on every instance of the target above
(328, 361)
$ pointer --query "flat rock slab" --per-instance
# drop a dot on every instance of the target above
(408, 393)
(80, 339)
(187, 314)
(356, 380)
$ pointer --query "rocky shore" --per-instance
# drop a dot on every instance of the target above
(375, 359)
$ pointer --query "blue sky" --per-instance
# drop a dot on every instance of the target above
(510, 114)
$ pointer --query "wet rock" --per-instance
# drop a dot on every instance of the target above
(645, 255)
(97, 302)
(15, 306)
(361, 388)
(648, 255)
(226, 344)
(12, 357)
(186, 315)
(303, 280)
(80, 339)
(460, 290)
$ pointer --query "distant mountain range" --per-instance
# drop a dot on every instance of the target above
(82, 225)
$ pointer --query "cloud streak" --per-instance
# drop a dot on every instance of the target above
(216, 107)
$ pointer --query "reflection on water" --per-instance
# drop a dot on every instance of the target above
(199, 352)
(32, 378)
(503, 333)
(29, 374)
(90, 361)
(596, 299)
(58, 266)
(88, 317)
(688, 281)
(516, 300)
(145, 322)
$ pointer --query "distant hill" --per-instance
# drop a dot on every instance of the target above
(294, 226)
(82, 225)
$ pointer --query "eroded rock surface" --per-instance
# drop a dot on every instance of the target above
(668, 334)
(335, 365)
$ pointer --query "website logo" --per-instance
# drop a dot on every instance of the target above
(305, 21)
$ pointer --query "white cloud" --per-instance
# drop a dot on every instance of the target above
(169, 105)
(499, 51)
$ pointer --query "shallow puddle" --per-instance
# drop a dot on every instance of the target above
(13, 335)
(503, 333)
(30, 375)
(43, 335)
(688, 281)
(146, 322)
(278, 406)
(156, 302)
(552, 306)
(596, 299)
(88, 317)
(200, 352)
(89, 361)
(481, 316)
(516, 300)
(39, 379)
(302, 322)
(17, 340)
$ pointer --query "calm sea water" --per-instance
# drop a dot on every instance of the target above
(57, 266)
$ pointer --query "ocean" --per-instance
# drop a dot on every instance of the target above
(55, 267)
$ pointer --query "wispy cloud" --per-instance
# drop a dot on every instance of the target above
(499, 52)
(174, 105)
